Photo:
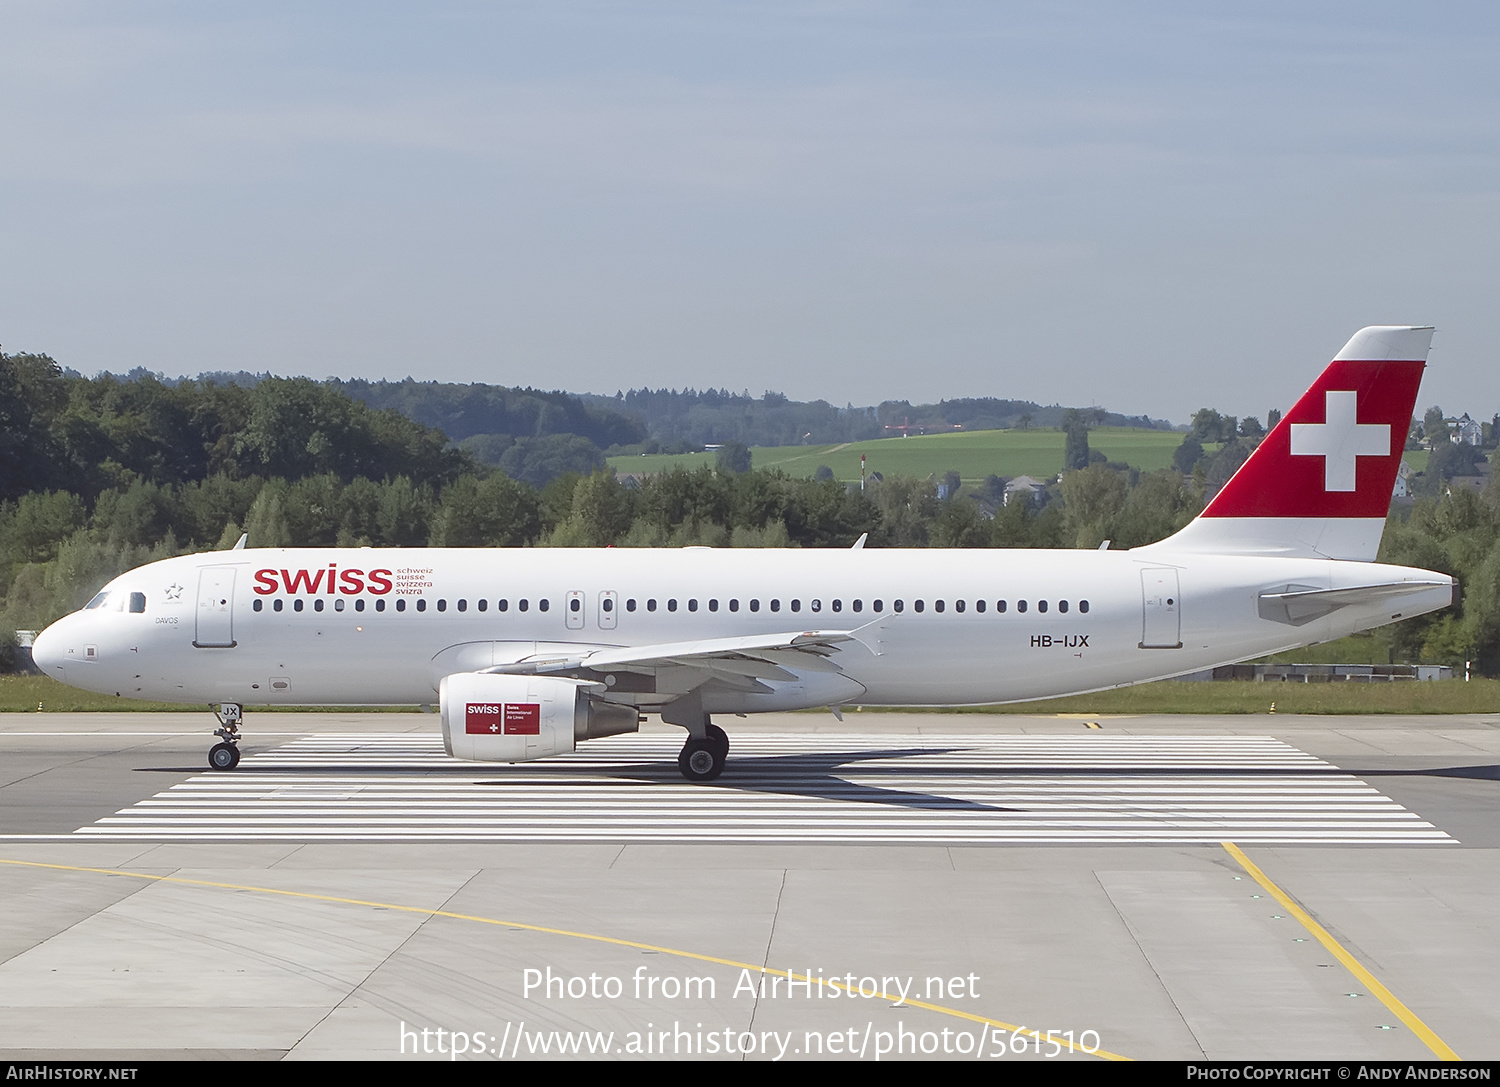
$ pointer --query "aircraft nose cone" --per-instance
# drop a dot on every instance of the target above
(48, 651)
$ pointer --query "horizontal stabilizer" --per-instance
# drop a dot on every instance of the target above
(1299, 604)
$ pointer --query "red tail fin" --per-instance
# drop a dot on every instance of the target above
(1320, 483)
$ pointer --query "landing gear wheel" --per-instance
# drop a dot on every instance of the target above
(226, 755)
(702, 760)
(719, 737)
(223, 757)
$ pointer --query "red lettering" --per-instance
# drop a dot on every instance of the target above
(353, 581)
(307, 581)
(380, 582)
(266, 578)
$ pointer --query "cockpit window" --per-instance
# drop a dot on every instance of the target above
(97, 602)
(137, 603)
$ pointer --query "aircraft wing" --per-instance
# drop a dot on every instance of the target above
(679, 667)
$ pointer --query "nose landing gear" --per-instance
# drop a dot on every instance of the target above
(226, 754)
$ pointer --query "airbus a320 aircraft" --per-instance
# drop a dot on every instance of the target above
(529, 651)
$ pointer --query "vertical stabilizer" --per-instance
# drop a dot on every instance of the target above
(1320, 483)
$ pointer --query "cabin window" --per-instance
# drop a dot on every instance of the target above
(442, 605)
(318, 604)
(1062, 606)
(338, 605)
(651, 604)
(1083, 606)
(630, 604)
(672, 604)
(359, 603)
(543, 604)
(463, 605)
(482, 604)
(1000, 606)
(796, 605)
(276, 604)
(421, 604)
(523, 604)
(693, 604)
(379, 605)
(259, 605)
(937, 605)
(775, 605)
(878, 606)
(713, 605)
(816, 605)
(502, 604)
(838, 605)
(575, 605)
(607, 604)
(1041, 605)
(979, 606)
(297, 604)
(734, 605)
(899, 605)
(859, 605)
(1021, 605)
(401, 605)
(958, 605)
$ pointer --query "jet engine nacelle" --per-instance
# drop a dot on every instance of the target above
(497, 718)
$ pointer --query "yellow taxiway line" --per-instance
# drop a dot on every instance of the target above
(799, 978)
(1353, 965)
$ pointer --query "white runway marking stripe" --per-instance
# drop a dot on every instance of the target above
(926, 789)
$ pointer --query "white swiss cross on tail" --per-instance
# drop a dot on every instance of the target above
(1320, 483)
(1341, 439)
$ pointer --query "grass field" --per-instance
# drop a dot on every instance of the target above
(25, 694)
(973, 454)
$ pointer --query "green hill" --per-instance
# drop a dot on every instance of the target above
(973, 454)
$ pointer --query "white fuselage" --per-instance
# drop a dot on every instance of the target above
(931, 627)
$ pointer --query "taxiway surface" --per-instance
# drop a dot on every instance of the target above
(942, 879)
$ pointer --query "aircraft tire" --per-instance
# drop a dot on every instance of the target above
(702, 760)
(223, 757)
(718, 736)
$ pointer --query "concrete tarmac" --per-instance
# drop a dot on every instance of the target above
(320, 948)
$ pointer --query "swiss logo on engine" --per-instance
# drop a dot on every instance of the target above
(523, 719)
(483, 718)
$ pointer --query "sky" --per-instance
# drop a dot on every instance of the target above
(1150, 207)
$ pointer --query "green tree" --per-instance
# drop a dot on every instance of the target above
(1075, 440)
(733, 457)
(1092, 497)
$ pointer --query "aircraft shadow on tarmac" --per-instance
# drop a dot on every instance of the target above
(813, 775)
(817, 775)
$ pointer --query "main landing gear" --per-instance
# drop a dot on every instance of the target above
(702, 757)
(226, 754)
